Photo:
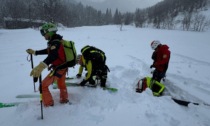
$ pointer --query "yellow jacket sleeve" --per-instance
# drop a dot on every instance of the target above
(80, 69)
(81, 66)
(89, 69)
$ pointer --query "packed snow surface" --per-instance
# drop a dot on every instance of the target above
(129, 58)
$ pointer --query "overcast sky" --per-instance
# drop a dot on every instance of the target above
(122, 5)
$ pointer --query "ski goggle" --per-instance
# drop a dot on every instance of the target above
(43, 32)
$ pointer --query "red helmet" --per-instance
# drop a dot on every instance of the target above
(141, 85)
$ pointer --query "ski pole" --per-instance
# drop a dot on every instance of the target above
(40, 90)
(35, 78)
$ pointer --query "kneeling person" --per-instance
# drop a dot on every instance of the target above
(94, 61)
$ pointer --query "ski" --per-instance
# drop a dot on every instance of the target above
(55, 86)
(68, 84)
(13, 104)
(28, 96)
(74, 84)
(70, 78)
(110, 89)
(5, 105)
(93, 86)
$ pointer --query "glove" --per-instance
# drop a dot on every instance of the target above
(152, 66)
(91, 81)
(36, 72)
(78, 75)
(30, 51)
(83, 82)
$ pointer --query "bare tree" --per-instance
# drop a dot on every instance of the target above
(186, 22)
(200, 22)
(16, 9)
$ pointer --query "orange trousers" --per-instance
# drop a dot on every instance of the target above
(48, 80)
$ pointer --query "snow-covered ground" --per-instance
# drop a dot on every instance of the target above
(128, 57)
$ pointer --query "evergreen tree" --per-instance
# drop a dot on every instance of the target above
(117, 17)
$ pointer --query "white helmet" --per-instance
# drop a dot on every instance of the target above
(78, 60)
(155, 44)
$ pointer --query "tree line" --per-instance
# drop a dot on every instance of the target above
(168, 14)
(68, 13)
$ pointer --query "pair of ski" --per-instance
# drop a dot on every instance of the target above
(12, 104)
(76, 84)
(4, 105)
(110, 89)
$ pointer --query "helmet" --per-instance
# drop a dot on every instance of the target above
(48, 28)
(155, 44)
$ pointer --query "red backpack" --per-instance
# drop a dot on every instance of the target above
(141, 85)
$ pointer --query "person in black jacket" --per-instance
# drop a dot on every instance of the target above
(94, 61)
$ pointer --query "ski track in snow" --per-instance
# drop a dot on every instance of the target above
(197, 65)
(186, 81)
(174, 89)
(189, 59)
(183, 91)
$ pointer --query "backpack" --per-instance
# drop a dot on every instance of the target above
(89, 53)
(156, 87)
(70, 53)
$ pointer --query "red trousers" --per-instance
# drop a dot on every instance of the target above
(48, 80)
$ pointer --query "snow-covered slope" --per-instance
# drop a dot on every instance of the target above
(128, 57)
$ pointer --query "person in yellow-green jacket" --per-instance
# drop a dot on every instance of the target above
(147, 82)
(94, 61)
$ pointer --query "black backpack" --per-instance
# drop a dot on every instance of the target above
(93, 53)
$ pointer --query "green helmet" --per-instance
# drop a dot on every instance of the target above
(48, 28)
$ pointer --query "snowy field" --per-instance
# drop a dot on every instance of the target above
(129, 58)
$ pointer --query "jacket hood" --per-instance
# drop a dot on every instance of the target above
(164, 47)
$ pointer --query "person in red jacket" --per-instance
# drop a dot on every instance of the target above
(161, 57)
(55, 58)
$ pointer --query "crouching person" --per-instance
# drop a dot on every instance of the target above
(94, 61)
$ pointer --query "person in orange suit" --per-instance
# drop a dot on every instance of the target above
(55, 57)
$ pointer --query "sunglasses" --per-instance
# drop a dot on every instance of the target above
(43, 32)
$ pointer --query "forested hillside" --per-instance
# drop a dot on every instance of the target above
(168, 14)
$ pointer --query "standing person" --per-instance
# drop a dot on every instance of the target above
(94, 61)
(161, 57)
(55, 58)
